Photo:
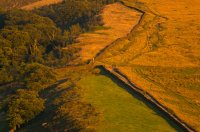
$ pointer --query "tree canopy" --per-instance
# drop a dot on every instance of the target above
(24, 106)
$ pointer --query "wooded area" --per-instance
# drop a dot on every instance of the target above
(31, 45)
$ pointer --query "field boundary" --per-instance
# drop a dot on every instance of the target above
(147, 96)
(114, 42)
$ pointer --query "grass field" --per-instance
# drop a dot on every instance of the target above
(120, 110)
(162, 55)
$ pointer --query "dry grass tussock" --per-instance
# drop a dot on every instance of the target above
(40, 3)
(162, 55)
(118, 21)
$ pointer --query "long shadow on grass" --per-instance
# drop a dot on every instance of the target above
(140, 97)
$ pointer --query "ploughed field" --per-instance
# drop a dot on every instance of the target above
(162, 55)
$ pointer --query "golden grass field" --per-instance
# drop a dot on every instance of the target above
(118, 21)
(162, 55)
(40, 3)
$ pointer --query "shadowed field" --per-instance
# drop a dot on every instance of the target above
(162, 55)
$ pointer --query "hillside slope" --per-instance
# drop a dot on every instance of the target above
(26, 4)
(162, 55)
(15, 3)
(40, 3)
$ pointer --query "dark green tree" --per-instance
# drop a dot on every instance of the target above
(37, 76)
(24, 106)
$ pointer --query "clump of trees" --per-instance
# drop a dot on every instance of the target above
(24, 106)
(26, 41)
(37, 76)
(26, 37)
(29, 38)
(75, 12)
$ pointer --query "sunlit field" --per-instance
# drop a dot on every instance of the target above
(162, 55)
(117, 20)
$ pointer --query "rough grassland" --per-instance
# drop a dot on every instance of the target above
(162, 55)
(40, 3)
(118, 21)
